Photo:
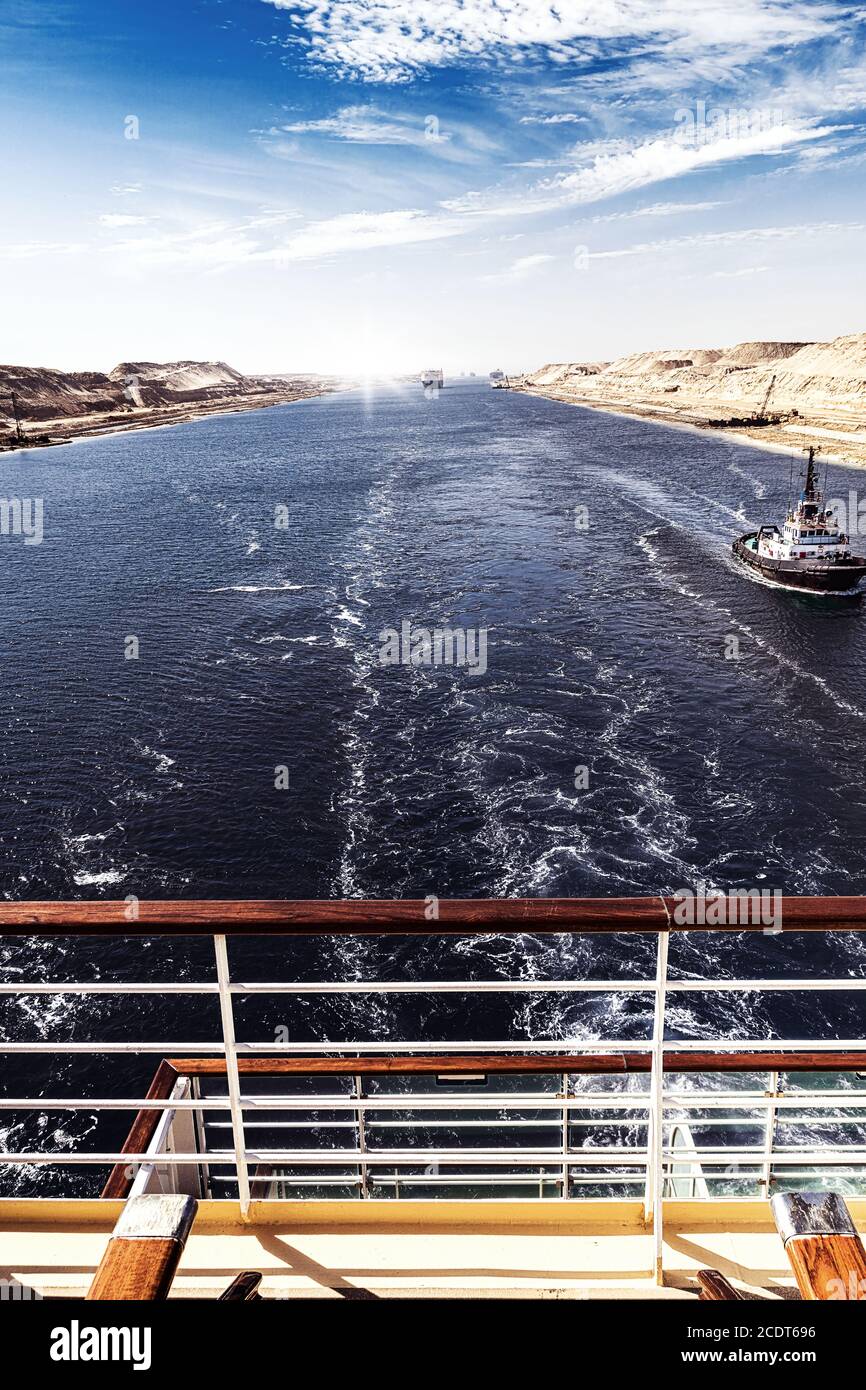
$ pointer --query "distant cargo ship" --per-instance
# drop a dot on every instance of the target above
(433, 376)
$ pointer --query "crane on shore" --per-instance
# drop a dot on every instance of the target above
(762, 413)
(19, 433)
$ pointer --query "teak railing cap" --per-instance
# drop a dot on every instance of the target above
(421, 917)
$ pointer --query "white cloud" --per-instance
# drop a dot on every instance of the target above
(29, 250)
(390, 41)
(270, 217)
(738, 274)
(362, 231)
(654, 210)
(626, 168)
(562, 118)
(746, 234)
(366, 125)
(121, 219)
(521, 268)
(125, 190)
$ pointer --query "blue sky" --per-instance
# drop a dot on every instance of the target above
(365, 185)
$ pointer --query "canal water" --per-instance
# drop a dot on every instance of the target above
(194, 705)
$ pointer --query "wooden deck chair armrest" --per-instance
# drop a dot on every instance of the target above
(144, 1251)
(243, 1289)
(715, 1288)
(824, 1250)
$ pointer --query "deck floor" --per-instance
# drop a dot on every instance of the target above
(603, 1253)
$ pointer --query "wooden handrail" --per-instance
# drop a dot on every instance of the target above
(407, 917)
(144, 1251)
(824, 1250)
(579, 1063)
(120, 1178)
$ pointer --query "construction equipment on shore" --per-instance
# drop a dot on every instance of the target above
(762, 413)
(759, 418)
(19, 433)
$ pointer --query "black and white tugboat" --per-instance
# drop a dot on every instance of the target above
(810, 552)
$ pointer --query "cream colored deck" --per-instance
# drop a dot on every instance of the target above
(353, 1249)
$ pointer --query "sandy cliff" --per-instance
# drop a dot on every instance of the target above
(818, 389)
(57, 406)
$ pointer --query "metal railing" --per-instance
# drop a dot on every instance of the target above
(669, 1133)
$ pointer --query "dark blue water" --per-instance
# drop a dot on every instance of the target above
(259, 649)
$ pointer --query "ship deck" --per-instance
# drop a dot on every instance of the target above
(537, 1249)
(520, 1167)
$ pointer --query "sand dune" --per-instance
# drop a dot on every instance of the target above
(820, 385)
(55, 406)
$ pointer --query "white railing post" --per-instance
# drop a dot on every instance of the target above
(362, 1136)
(232, 1076)
(565, 1134)
(654, 1189)
(770, 1132)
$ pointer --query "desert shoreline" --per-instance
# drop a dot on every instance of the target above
(67, 430)
(781, 396)
(674, 422)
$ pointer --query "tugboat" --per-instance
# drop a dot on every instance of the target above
(810, 552)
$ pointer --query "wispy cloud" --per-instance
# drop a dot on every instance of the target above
(746, 234)
(220, 245)
(367, 125)
(560, 118)
(384, 42)
(627, 168)
(30, 250)
(654, 210)
(363, 231)
(739, 274)
(443, 137)
(121, 219)
(521, 268)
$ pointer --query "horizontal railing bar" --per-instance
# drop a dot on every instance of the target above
(326, 1157)
(538, 1100)
(323, 1049)
(452, 1180)
(449, 1123)
(330, 1158)
(438, 987)
(589, 1157)
(411, 917)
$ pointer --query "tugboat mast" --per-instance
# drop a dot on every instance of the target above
(809, 489)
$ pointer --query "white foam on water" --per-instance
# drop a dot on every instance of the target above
(758, 486)
(98, 876)
(285, 586)
(162, 761)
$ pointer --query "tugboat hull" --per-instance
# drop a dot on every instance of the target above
(833, 577)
